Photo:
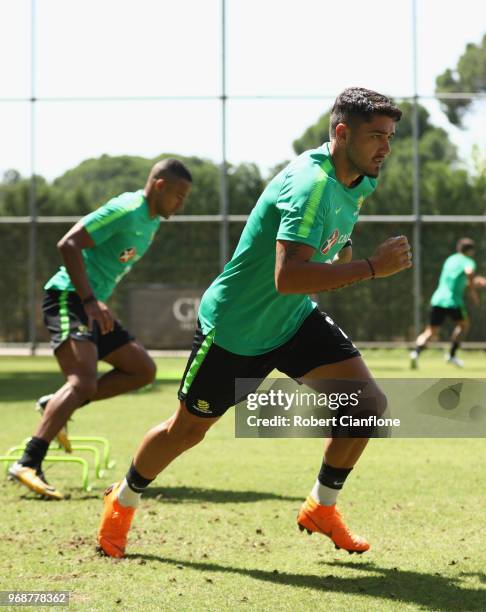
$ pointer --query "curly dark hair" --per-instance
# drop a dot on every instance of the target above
(360, 103)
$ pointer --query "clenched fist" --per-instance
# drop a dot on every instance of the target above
(392, 256)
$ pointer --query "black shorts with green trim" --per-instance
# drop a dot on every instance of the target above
(65, 317)
(438, 314)
(208, 384)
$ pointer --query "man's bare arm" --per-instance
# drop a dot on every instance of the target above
(71, 246)
(295, 273)
(471, 286)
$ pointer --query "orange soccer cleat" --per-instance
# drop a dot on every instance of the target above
(115, 524)
(328, 521)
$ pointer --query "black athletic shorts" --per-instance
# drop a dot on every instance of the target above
(208, 384)
(65, 317)
(438, 315)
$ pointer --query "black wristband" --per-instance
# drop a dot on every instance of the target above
(371, 268)
(89, 298)
(347, 244)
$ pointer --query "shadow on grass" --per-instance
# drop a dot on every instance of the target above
(69, 497)
(170, 495)
(391, 584)
(28, 386)
(25, 386)
(215, 496)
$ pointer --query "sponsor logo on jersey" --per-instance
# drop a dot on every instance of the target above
(202, 406)
(127, 254)
(330, 242)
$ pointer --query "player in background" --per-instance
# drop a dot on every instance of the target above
(257, 315)
(457, 276)
(97, 252)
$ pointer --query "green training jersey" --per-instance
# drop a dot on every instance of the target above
(453, 281)
(304, 203)
(122, 231)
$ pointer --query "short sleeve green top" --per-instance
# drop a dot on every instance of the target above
(304, 203)
(122, 231)
(453, 281)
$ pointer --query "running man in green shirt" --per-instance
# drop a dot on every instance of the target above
(457, 275)
(97, 252)
(257, 315)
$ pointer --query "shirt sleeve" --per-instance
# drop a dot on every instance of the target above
(106, 221)
(302, 207)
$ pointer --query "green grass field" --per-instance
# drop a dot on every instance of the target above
(217, 530)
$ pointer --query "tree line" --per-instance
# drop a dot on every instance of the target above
(188, 254)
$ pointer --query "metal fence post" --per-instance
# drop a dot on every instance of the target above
(224, 205)
(417, 269)
(32, 270)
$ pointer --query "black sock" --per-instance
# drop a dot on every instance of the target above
(454, 347)
(419, 349)
(34, 452)
(333, 477)
(136, 482)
